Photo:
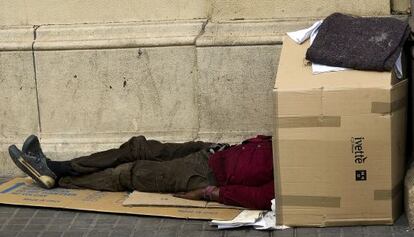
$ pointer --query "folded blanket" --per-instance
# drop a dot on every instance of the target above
(364, 43)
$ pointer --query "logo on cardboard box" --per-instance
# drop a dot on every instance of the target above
(360, 175)
(359, 157)
(358, 150)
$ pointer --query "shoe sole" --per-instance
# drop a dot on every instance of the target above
(43, 180)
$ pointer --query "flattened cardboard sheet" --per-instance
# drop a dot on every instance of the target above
(137, 198)
(20, 191)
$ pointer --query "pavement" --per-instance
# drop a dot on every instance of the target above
(42, 222)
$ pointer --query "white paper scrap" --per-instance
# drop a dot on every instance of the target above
(301, 36)
(268, 222)
(260, 220)
(245, 217)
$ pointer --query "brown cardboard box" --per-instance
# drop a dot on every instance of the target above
(339, 144)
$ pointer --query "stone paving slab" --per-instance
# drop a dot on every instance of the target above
(42, 222)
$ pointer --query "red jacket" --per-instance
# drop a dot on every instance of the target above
(244, 173)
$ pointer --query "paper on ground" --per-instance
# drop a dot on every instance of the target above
(260, 220)
(245, 217)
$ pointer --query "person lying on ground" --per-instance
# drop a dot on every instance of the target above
(240, 175)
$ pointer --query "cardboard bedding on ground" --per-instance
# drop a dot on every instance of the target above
(168, 200)
(22, 191)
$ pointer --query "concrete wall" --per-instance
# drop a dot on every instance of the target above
(174, 71)
(401, 6)
(22, 12)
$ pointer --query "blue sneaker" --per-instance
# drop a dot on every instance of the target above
(32, 147)
(34, 166)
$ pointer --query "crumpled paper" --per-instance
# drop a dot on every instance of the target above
(260, 220)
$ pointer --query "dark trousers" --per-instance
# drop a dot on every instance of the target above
(144, 165)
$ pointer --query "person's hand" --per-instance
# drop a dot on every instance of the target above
(209, 193)
(197, 194)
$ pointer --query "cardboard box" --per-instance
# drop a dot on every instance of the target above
(339, 144)
(21, 191)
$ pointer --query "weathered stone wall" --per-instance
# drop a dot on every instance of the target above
(174, 71)
(401, 6)
(22, 12)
